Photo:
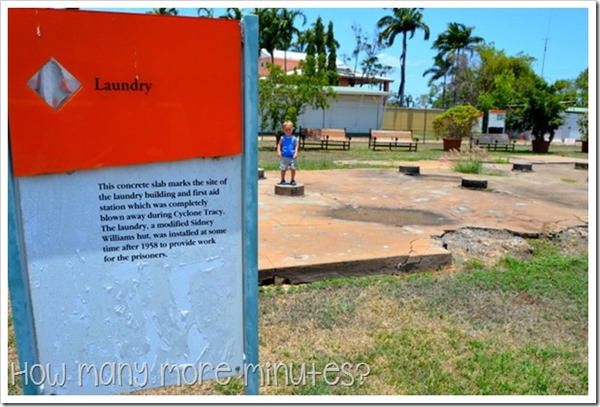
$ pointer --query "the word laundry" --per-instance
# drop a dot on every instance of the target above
(135, 86)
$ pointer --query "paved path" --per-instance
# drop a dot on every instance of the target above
(373, 221)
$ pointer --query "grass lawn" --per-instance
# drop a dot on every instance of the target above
(517, 329)
(360, 156)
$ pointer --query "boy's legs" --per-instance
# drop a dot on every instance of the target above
(282, 168)
(293, 170)
(284, 165)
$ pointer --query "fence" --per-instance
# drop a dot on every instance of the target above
(420, 121)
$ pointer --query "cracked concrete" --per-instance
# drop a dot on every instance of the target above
(393, 222)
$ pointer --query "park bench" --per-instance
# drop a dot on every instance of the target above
(324, 139)
(392, 139)
(495, 142)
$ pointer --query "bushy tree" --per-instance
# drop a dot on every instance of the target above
(582, 84)
(499, 79)
(283, 96)
(582, 100)
(538, 108)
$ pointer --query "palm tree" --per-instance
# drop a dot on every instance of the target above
(164, 11)
(269, 31)
(456, 40)
(453, 43)
(302, 41)
(206, 12)
(287, 29)
(230, 13)
(441, 68)
(402, 21)
(277, 29)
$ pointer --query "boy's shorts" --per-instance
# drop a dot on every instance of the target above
(287, 163)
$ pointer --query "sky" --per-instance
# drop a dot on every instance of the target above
(556, 34)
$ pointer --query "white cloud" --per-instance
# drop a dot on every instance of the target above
(391, 60)
(394, 61)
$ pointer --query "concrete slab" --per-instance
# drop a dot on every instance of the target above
(376, 221)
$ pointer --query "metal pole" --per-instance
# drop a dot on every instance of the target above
(250, 202)
(425, 125)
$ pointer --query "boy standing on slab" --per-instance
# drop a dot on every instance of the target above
(287, 151)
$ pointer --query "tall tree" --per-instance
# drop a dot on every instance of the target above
(404, 21)
(365, 54)
(321, 50)
(332, 45)
(319, 40)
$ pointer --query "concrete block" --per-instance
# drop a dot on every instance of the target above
(409, 169)
(289, 190)
(523, 167)
(473, 183)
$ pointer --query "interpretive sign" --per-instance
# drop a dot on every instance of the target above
(126, 150)
(496, 118)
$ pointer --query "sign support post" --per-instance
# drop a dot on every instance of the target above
(250, 204)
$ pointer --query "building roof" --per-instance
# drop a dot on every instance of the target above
(357, 90)
(577, 110)
(278, 54)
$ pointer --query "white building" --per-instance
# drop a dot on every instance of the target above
(356, 108)
(570, 129)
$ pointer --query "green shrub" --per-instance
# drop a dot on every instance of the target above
(456, 122)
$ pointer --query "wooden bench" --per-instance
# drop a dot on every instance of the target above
(495, 142)
(392, 139)
(324, 139)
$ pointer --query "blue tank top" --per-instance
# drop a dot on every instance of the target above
(288, 146)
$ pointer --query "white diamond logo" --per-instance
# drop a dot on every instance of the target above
(53, 83)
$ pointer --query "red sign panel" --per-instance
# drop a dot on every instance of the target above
(89, 89)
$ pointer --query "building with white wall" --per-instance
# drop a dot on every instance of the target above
(360, 100)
